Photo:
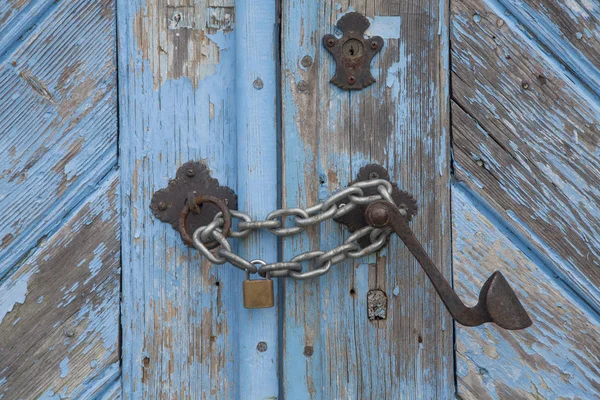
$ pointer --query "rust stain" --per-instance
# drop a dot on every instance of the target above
(174, 40)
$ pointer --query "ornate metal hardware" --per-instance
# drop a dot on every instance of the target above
(372, 207)
(180, 203)
(352, 52)
(497, 303)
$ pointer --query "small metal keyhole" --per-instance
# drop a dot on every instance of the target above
(353, 48)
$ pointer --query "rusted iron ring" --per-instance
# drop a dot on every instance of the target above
(198, 200)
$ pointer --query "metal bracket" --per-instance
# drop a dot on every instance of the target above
(352, 52)
(191, 180)
(355, 219)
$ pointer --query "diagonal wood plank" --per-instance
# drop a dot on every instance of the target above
(331, 349)
(569, 30)
(557, 357)
(17, 19)
(59, 313)
(526, 140)
(59, 126)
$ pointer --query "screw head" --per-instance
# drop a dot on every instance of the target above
(162, 206)
(352, 79)
(258, 84)
(330, 42)
(302, 86)
(374, 45)
(373, 175)
(190, 172)
(306, 61)
(261, 346)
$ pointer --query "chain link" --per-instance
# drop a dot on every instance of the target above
(299, 220)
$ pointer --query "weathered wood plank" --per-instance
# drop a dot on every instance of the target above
(257, 185)
(59, 126)
(557, 357)
(526, 140)
(331, 349)
(177, 80)
(59, 313)
(569, 30)
(17, 18)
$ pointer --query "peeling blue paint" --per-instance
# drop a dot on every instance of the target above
(64, 367)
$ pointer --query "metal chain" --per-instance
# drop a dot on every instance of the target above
(301, 219)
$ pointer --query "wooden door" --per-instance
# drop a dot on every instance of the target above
(486, 111)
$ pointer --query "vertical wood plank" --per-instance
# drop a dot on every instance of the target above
(331, 349)
(256, 85)
(177, 103)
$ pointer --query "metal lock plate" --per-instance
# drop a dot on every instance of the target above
(192, 179)
(258, 293)
(352, 52)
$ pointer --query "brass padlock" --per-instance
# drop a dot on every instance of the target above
(258, 293)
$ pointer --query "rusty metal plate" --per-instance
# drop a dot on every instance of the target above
(191, 180)
(355, 219)
(352, 52)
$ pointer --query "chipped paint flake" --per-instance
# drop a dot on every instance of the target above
(64, 367)
(13, 292)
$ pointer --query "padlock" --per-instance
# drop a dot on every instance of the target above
(258, 293)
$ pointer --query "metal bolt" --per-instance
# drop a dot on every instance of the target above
(374, 45)
(261, 346)
(258, 84)
(190, 172)
(330, 42)
(525, 85)
(373, 175)
(379, 216)
(351, 79)
(302, 86)
(162, 206)
(306, 61)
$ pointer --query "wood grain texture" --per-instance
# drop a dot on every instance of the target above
(59, 125)
(331, 349)
(180, 315)
(257, 185)
(17, 20)
(526, 140)
(556, 358)
(569, 30)
(59, 313)
(59, 236)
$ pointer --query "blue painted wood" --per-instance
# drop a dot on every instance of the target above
(58, 136)
(186, 92)
(557, 357)
(59, 236)
(526, 140)
(331, 350)
(569, 30)
(257, 184)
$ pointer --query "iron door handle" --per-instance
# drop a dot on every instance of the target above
(497, 303)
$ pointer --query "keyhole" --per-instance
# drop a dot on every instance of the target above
(352, 48)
